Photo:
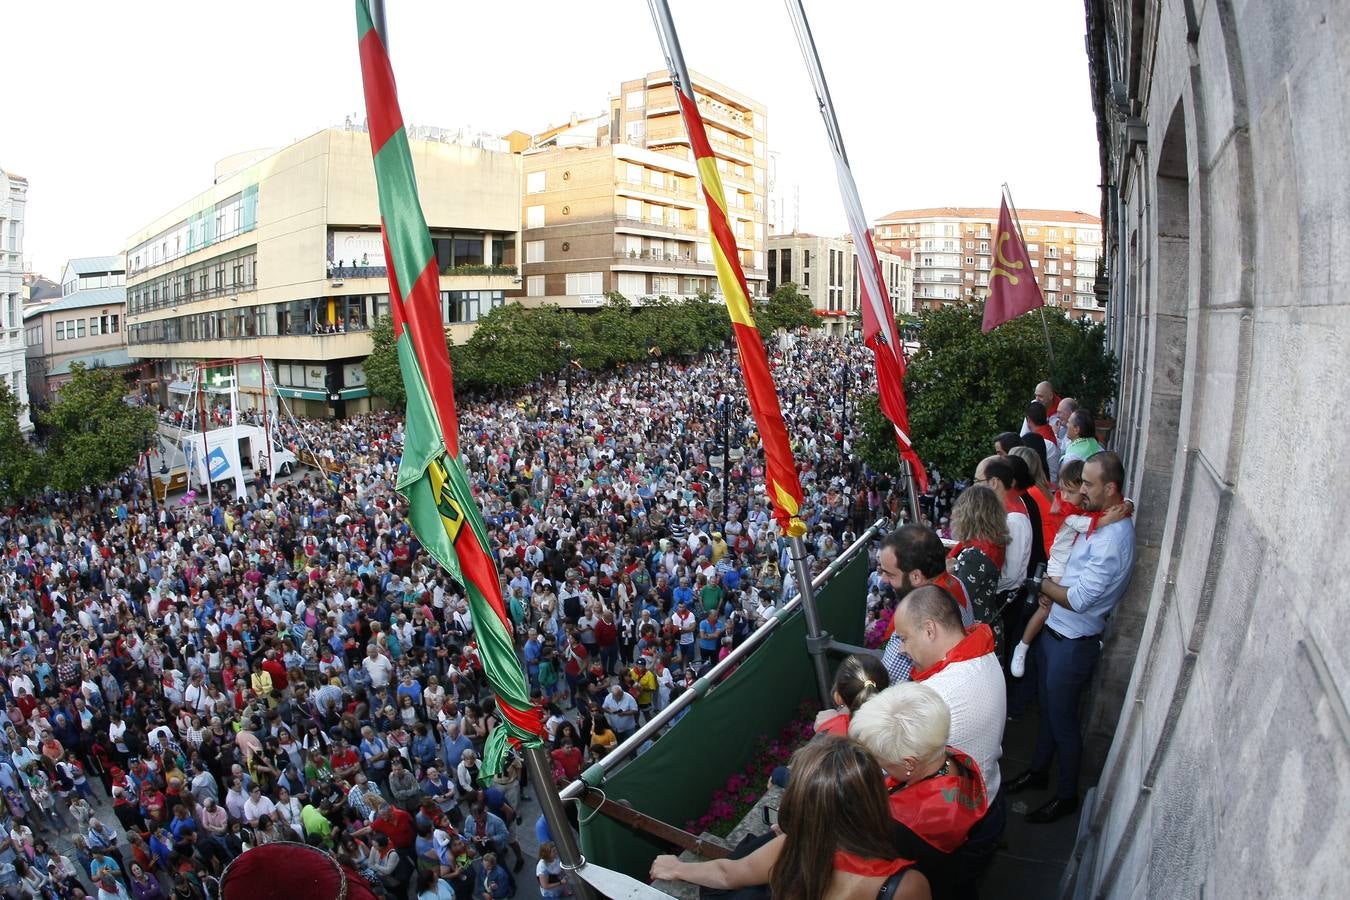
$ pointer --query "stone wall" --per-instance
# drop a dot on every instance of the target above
(1221, 711)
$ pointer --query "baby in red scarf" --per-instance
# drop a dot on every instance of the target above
(1077, 521)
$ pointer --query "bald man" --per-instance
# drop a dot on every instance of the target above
(1046, 396)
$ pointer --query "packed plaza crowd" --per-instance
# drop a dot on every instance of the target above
(187, 680)
(900, 793)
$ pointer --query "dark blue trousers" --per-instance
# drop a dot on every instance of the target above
(1064, 668)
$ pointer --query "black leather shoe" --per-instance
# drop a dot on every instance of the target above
(1026, 781)
(1053, 811)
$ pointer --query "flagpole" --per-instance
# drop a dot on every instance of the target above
(1007, 195)
(816, 639)
(535, 757)
(852, 201)
(380, 21)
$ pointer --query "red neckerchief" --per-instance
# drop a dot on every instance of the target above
(952, 585)
(942, 810)
(979, 641)
(854, 864)
(1073, 509)
(1012, 502)
(995, 553)
(1044, 431)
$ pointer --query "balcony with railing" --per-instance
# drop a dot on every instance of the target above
(684, 197)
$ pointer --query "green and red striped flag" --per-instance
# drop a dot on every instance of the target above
(442, 511)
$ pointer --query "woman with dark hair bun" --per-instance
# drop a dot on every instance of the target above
(859, 678)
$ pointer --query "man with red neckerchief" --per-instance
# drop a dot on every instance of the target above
(911, 557)
(962, 665)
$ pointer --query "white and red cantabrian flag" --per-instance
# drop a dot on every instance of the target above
(1013, 289)
(441, 508)
(879, 332)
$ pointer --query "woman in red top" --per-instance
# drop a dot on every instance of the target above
(834, 843)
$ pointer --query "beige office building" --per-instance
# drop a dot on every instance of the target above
(952, 248)
(282, 258)
(826, 270)
(612, 203)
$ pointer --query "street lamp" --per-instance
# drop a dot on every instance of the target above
(149, 476)
(565, 347)
(726, 431)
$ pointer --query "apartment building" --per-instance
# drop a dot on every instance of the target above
(952, 250)
(84, 325)
(826, 270)
(281, 258)
(13, 201)
(612, 203)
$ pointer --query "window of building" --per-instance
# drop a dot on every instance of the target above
(970, 260)
(785, 266)
(468, 250)
(1033, 248)
(1033, 231)
(220, 277)
(632, 284)
(79, 328)
(534, 217)
(93, 326)
(534, 251)
(534, 286)
(633, 100)
(534, 183)
(806, 259)
(583, 283)
(60, 330)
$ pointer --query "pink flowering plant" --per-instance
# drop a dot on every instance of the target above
(730, 803)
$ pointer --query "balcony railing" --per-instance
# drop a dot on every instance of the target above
(345, 272)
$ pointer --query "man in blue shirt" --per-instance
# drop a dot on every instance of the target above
(710, 634)
(1067, 649)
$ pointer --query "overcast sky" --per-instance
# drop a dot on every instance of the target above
(117, 112)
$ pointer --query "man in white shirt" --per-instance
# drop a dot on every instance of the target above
(963, 667)
(257, 805)
(995, 473)
(378, 667)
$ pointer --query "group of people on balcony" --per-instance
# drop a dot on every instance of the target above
(901, 794)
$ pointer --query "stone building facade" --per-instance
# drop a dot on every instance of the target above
(1221, 709)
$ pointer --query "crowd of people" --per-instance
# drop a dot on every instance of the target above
(912, 749)
(186, 680)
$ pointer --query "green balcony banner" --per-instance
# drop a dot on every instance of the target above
(675, 777)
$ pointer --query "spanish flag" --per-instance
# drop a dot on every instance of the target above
(785, 490)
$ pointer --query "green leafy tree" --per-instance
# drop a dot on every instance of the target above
(787, 308)
(93, 434)
(383, 376)
(19, 462)
(514, 345)
(964, 387)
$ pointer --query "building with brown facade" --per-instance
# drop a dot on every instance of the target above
(952, 249)
(612, 203)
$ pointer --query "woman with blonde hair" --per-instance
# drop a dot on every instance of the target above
(835, 842)
(938, 801)
(980, 526)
